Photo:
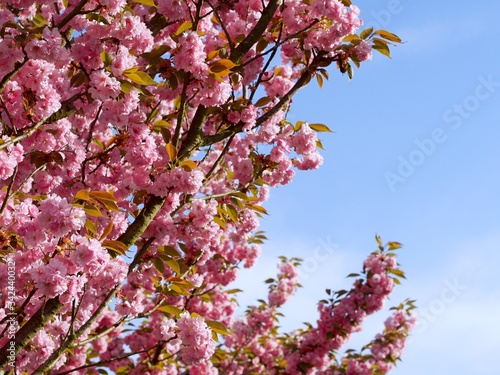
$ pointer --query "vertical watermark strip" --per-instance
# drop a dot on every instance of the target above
(427, 315)
(10, 308)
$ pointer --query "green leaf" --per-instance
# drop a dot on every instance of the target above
(232, 212)
(91, 227)
(350, 38)
(105, 198)
(389, 36)
(146, 2)
(160, 266)
(233, 291)
(169, 250)
(217, 327)
(394, 245)
(126, 87)
(319, 144)
(185, 26)
(165, 132)
(92, 210)
(257, 208)
(106, 58)
(40, 21)
(320, 128)
(384, 50)
(221, 223)
(179, 290)
(117, 247)
(83, 195)
(366, 33)
(169, 309)
(263, 101)
(397, 272)
(140, 78)
(172, 263)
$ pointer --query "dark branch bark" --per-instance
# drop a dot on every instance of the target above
(142, 221)
(194, 137)
(256, 33)
(31, 328)
(71, 14)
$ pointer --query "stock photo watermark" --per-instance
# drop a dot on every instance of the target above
(455, 116)
(10, 310)
(427, 315)
(383, 17)
(324, 250)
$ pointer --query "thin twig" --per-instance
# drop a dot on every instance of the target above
(8, 196)
(105, 361)
(71, 14)
(66, 110)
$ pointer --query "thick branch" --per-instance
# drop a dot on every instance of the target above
(256, 34)
(72, 14)
(17, 67)
(31, 328)
(194, 136)
(142, 221)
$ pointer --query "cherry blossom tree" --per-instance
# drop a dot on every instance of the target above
(139, 141)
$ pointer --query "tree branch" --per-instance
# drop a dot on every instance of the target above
(142, 221)
(66, 110)
(105, 361)
(301, 82)
(194, 136)
(31, 328)
(256, 33)
(71, 14)
(47, 365)
(17, 67)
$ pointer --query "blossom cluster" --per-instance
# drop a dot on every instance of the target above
(139, 141)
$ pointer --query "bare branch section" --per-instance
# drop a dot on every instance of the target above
(256, 33)
(66, 110)
(31, 328)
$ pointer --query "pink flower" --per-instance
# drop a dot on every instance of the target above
(60, 217)
(103, 85)
(197, 338)
(50, 279)
(167, 329)
(191, 56)
(305, 140)
(363, 51)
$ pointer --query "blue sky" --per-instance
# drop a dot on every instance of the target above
(415, 158)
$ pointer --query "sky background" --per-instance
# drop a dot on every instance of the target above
(440, 93)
